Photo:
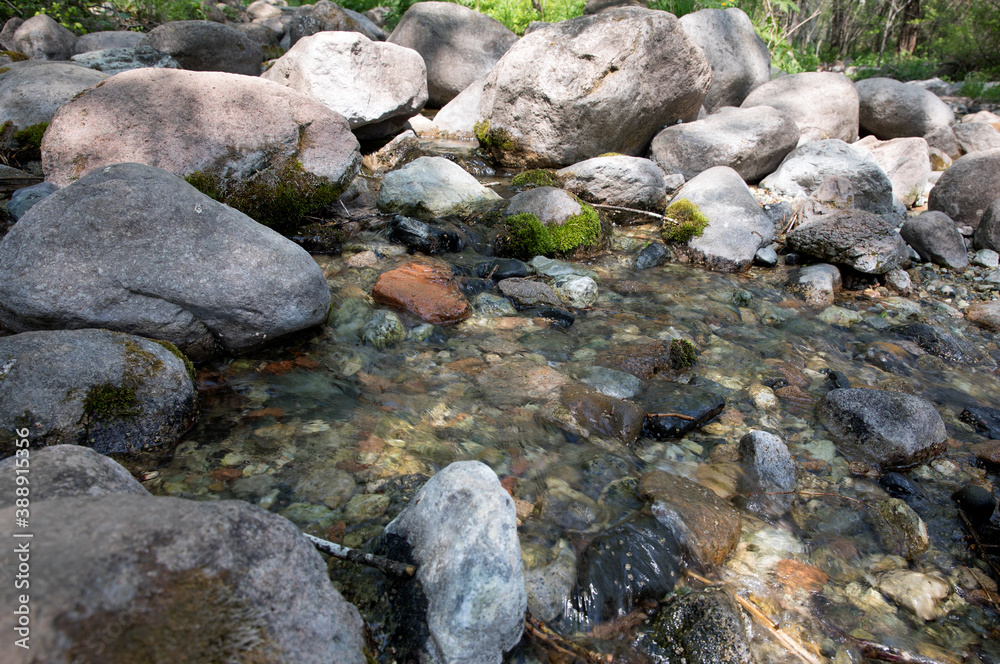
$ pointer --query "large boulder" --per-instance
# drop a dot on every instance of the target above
(110, 391)
(618, 180)
(375, 85)
(965, 190)
(123, 577)
(805, 168)
(608, 83)
(936, 239)
(752, 141)
(42, 38)
(737, 226)
(882, 428)
(64, 471)
(823, 104)
(269, 151)
(458, 117)
(207, 46)
(905, 161)
(113, 61)
(133, 248)
(976, 137)
(326, 16)
(105, 39)
(431, 187)
(461, 531)
(32, 91)
(458, 44)
(987, 234)
(891, 109)
(739, 58)
(861, 240)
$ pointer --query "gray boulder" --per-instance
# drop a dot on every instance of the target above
(113, 61)
(965, 190)
(737, 226)
(882, 428)
(987, 233)
(935, 237)
(7, 34)
(207, 46)
(269, 151)
(459, 45)
(326, 16)
(610, 82)
(891, 109)
(32, 91)
(806, 167)
(458, 117)
(550, 204)
(431, 187)
(128, 578)
(630, 182)
(944, 139)
(110, 391)
(905, 161)
(25, 198)
(105, 39)
(369, 83)
(101, 253)
(739, 58)
(461, 531)
(861, 240)
(816, 284)
(976, 137)
(823, 104)
(42, 38)
(751, 141)
(64, 471)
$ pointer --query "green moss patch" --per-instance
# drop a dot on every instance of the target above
(682, 354)
(493, 139)
(174, 350)
(31, 136)
(684, 221)
(538, 177)
(526, 237)
(15, 56)
(107, 402)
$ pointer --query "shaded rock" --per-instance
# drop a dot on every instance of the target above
(891, 109)
(64, 471)
(423, 237)
(900, 529)
(113, 61)
(705, 525)
(326, 16)
(985, 314)
(458, 117)
(611, 81)
(604, 415)
(620, 180)
(944, 140)
(806, 167)
(567, 508)
(431, 187)
(920, 593)
(548, 585)
(270, 152)
(939, 342)
(425, 289)
(823, 104)
(905, 162)
(32, 91)
(367, 82)
(106, 39)
(976, 137)
(461, 531)
(936, 238)
(96, 254)
(693, 402)
(966, 190)
(528, 292)
(458, 44)
(42, 38)
(738, 56)
(737, 226)
(977, 503)
(644, 359)
(7, 34)
(195, 579)
(207, 46)
(882, 428)
(653, 255)
(987, 233)
(861, 240)
(25, 198)
(701, 627)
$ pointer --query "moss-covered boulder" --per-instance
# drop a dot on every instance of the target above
(546, 221)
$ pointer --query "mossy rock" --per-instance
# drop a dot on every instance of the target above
(15, 56)
(685, 221)
(525, 237)
(682, 354)
(537, 177)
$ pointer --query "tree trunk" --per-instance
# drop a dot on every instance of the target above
(909, 30)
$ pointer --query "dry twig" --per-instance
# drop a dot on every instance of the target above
(346, 553)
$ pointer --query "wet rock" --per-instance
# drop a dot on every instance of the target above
(555, 315)
(861, 240)
(567, 508)
(457, 118)
(693, 402)
(700, 627)
(705, 525)
(966, 190)
(882, 428)
(458, 44)
(766, 257)
(63, 471)
(977, 503)
(499, 269)
(653, 255)
(806, 167)
(424, 288)
(195, 579)
(207, 46)
(737, 226)
(549, 585)
(97, 254)
(937, 341)
(752, 141)
(374, 85)
(519, 382)
(839, 316)
(552, 267)
(986, 420)
(987, 233)
(607, 416)
(596, 99)
(891, 109)
(976, 137)
(32, 91)
(549, 204)
(920, 593)
(529, 293)
(431, 187)
(113, 61)
(644, 360)
(42, 38)
(106, 39)
(578, 292)
(630, 182)
(25, 198)
(383, 329)
(423, 237)
(898, 485)
(899, 528)
(461, 531)
(936, 238)
(637, 559)
(823, 104)
(770, 469)
(906, 163)
(616, 384)
(110, 391)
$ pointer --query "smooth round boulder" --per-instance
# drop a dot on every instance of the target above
(264, 149)
(906, 162)
(550, 205)
(207, 46)
(738, 56)
(861, 240)
(42, 38)
(976, 137)
(431, 187)
(823, 104)
(458, 44)
(104, 39)
(934, 236)
(891, 109)
(618, 180)
(987, 233)
(32, 91)
(63, 471)
(610, 82)
(965, 190)
(133, 248)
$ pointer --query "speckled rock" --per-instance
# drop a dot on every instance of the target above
(900, 529)
(823, 104)
(701, 627)
(817, 284)
(63, 471)
(966, 190)
(605, 415)
(864, 241)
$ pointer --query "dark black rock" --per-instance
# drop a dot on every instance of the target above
(977, 503)
(986, 420)
(652, 255)
(837, 379)
(937, 341)
(500, 268)
(472, 286)
(420, 236)
(558, 316)
(780, 214)
(697, 403)
(701, 627)
(898, 485)
(765, 257)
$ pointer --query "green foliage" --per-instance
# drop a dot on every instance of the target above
(82, 16)
(515, 14)
(682, 354)
(31, 136)
(975, 86)
(526, 237)
(539, 177)
(684, 222)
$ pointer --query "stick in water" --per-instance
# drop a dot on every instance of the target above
(345, 553)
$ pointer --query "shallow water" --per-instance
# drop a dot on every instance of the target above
(325, 430)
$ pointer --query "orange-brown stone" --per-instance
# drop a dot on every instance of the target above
(424, 288)
(795, 575)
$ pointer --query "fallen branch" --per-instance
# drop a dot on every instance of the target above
(883, 653)
(679, 416)
(548, 638)
(627, 209)
(346, 553)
